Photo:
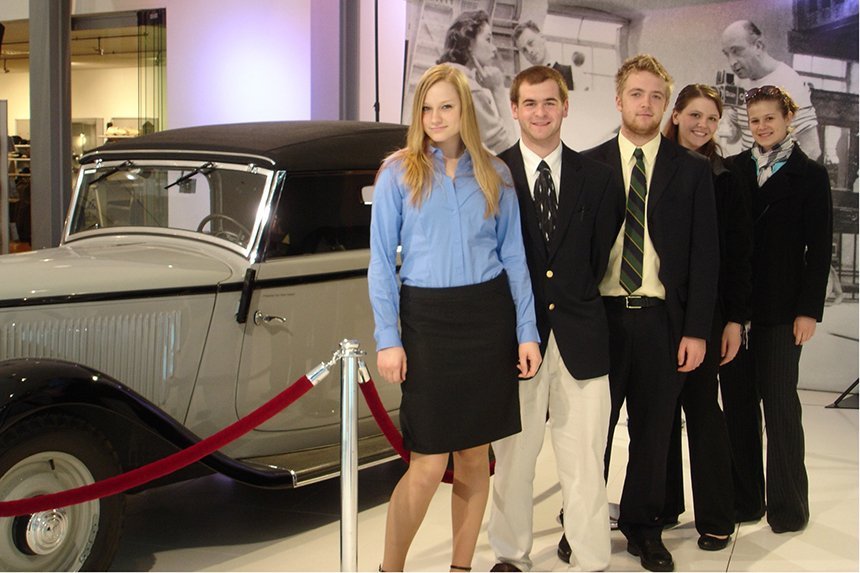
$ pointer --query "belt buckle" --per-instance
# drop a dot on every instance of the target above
(634, 299)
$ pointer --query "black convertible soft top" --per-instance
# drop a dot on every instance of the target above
(287, 145)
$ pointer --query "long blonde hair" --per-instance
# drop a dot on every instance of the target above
(415, 157)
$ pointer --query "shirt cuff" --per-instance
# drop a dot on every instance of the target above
(388, 338)
(528, 333)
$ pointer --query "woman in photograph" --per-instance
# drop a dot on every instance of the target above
(469, 47)
(790, 200)
(465, 308)
(693, 123)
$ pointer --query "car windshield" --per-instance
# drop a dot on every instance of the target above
(219, 200)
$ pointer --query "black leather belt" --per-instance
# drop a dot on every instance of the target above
(633, 302)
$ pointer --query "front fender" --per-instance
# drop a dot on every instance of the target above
(139, 430)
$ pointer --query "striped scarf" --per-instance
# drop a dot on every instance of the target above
(765, 161)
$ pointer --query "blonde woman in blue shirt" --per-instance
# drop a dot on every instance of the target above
(465, 308)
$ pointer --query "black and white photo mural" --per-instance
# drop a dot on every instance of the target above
(808, 47)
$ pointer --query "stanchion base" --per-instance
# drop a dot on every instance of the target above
(848, 402)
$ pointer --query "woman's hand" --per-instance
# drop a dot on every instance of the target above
(529, 359)
(804, 329)
(489, 77)
(391, 363)
(731, 341)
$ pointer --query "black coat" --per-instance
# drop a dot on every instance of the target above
(734, 224)
(566, 72)
(566, 273)
(682, 224)
(793, 233)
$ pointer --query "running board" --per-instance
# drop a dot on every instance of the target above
(319, 464)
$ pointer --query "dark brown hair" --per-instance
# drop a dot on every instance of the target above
(685, 96)
(461, 34)
(538, 75)
(771, 93)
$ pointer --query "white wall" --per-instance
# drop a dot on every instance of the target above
(260, 74)
(15, 89)
(392, 54)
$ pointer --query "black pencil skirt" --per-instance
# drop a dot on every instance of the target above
(461, 387)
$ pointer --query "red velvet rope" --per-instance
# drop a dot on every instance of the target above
(162, 467)
(383, 420)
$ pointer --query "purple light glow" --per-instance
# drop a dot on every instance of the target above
(233, 61)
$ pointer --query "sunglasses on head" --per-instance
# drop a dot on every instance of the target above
(761, 92)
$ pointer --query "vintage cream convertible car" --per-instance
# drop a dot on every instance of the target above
(201, 271)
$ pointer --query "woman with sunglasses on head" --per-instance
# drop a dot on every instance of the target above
(693, 123)
(464, 305)
(790, 200)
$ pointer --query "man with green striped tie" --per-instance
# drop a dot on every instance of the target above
(659, 292)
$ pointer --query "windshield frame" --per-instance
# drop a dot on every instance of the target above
(262, 212)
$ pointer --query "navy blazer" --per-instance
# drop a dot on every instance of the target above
(682, 224)
(565, 274)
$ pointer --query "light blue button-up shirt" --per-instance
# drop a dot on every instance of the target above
(445, 242)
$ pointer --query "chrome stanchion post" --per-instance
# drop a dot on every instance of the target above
(349, 354)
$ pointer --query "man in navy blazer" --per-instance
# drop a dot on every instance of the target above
(658, 327)
(567, 260)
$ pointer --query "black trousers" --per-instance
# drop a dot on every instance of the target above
(767, 373)
(710, 451)
(643, 372)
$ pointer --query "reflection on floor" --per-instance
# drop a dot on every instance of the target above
(212, 524)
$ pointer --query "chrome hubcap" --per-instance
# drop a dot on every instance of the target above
(46, 531)
(54, 540)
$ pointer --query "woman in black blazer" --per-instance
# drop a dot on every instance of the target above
(694, 122)
(792, 228)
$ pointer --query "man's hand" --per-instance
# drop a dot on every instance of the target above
(391, 363)
(731, 341)
(691, 352)
(804, 329)
(529, 359)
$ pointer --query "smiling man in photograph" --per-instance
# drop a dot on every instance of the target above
(531, 43)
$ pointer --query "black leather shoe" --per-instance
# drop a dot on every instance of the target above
(652, 554)
(777, 528)
(711, 543)
(564, 549)
(502, 566)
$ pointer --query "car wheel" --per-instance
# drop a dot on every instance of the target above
(45, 455)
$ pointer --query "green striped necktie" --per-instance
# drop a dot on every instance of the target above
(634, 227)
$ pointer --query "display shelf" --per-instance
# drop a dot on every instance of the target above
(21, 154)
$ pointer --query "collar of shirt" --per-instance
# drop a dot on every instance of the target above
(464, 163)
(649, 151)
(531, 160)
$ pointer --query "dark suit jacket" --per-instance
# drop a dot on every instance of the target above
(566, 72)
(736, 244)
(792, 228)
(682, 224)
(566, 272)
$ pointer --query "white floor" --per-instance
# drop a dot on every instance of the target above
(212, 524)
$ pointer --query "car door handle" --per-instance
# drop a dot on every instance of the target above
(260, 318)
